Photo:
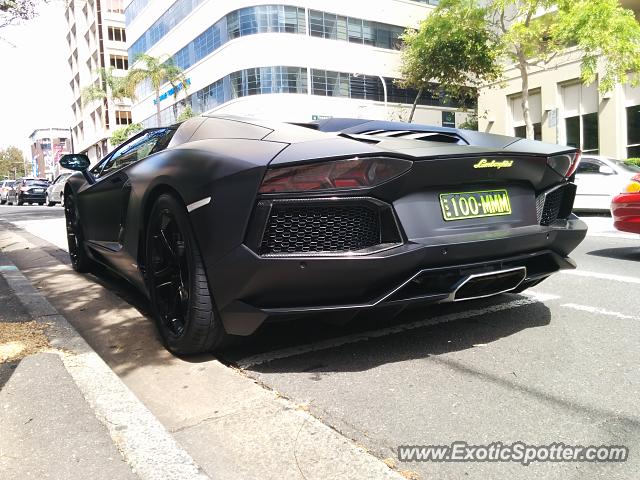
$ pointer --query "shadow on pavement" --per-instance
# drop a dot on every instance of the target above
(6, 370)
(420, 342)
(625, 253)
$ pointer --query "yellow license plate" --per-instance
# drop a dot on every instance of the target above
(463, 205)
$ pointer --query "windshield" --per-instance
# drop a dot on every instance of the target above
(37, 183)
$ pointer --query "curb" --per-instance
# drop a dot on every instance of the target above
(148, 448)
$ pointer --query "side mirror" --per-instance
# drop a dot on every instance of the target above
(80, 163)
(606, 170)
(75, 161)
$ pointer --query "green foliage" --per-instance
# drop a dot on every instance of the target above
(158, 71)
(471, 123)
(633, 161)
(123, 134)
(609, 36)
(109, 85)
(186, 114)
(453, 47)
(11, 162)
(465, 42)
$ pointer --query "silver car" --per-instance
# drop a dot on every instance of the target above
(599, 179)
(5, 186)
(55, 192)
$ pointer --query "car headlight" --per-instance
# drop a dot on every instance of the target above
(353, 173)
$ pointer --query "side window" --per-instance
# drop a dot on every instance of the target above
(139, 148)
(589, 166)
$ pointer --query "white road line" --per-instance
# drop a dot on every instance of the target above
(262, 358)
(602, 276)
(599, 311)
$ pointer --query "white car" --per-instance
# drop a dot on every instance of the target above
(599, 179)
(55, 191)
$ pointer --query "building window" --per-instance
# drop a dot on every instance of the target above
(535, 114)
(119, 62)
(521, 131)
(123, 117)
(355, 30)
(115, 6)
(633, 131)
(116, 34)
(449, 119)
(580, 111)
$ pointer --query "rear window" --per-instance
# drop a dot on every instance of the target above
(8, 183)
(37, 183)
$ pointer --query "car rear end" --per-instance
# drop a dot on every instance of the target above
(32, 191)
(625, 207)
(403, 222)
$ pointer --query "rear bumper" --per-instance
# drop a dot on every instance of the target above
(250, 289)
(31, 197)
(625, 210)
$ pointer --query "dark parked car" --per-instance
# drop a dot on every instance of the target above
(5, 186)
(28, 190)
(227, 222)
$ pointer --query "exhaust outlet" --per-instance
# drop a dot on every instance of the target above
(483, 285)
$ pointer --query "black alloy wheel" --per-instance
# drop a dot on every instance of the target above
(80, 260)
(178, 287)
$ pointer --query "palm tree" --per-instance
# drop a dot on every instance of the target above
(158, 71)
(109, 84)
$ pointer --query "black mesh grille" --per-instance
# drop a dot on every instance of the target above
(552, 206)
(302, 228)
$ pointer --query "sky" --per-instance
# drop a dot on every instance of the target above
(34, 86)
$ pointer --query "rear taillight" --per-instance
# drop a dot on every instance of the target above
(339, 174)
(565, 164)
(634, 185)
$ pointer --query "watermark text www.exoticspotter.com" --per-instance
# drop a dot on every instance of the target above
(518, 452)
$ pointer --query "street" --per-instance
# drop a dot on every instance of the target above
(556, 364)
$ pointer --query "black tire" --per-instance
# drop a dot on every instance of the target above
(40, 203)
(18, 201)
(49, 203)
(2, 202)
(181, 302)
(80, 260)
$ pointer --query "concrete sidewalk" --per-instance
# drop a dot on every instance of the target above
(63, 412)
(223, 426)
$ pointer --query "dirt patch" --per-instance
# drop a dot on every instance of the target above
(17, 340)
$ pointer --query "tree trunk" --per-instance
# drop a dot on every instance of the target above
(157, 107)
(415, 104)
(526, 114)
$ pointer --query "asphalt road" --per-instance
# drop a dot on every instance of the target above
(559, 365)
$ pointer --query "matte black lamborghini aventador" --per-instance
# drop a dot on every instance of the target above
(226, 222)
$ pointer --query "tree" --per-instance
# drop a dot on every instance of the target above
(453, 48)
(121, 135)
(13, 12)
(11, 162)
(158, 71)
(531, 33)
(109, 86)
(186, 114)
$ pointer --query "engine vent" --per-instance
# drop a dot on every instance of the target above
(555, 204)
(323, 226)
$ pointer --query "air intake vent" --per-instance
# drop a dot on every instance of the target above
(320, 228)
(323, 226)
(554, 204)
